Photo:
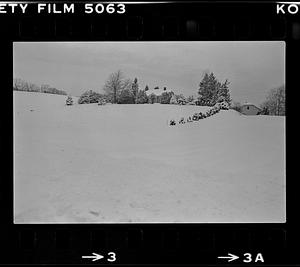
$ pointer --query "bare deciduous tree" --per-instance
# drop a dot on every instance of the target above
(275, 102)
(115, 84)
(33, 87)
(20, 85)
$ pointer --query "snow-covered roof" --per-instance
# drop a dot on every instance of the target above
(157, 91)
(249, 104)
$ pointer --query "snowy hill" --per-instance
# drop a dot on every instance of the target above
(36, 100)
(124, 163)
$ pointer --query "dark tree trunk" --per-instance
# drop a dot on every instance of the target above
(115, 95)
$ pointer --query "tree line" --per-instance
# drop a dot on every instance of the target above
(21, 85)
(120, 90)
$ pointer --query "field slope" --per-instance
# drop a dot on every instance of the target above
(123, 163)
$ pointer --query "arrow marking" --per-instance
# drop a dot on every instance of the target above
(230, 257)
(95, 257)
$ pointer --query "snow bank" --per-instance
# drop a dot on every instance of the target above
(124, 163)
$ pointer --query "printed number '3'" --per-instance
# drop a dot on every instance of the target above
(112, 256)
(122, 8)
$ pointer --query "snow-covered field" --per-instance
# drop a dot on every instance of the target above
(123, 163)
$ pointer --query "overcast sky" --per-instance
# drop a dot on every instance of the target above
(252, 68)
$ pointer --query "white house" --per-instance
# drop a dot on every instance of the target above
(250, 109)
(157, 91)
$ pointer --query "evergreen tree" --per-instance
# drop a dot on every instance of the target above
(152, 99)
(142, 97)
(146, 88)
(208, 89)
(126, 97)
(223, 93)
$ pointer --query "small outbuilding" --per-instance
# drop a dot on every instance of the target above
(250, 109)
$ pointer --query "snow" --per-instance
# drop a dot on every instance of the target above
(124, 163)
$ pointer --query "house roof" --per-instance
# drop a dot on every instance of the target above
(156, 91)
(250, 104)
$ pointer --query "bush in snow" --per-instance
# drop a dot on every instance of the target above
(191, 100)
(101, 101)
(69, 101)
(189, 119)
(89, 97)
(208, 113)
(195, 117)
(172, 122)
(173, 100)
(224, 105)
(200, 115)
(181, 100)
(214, 110)
(181, 121)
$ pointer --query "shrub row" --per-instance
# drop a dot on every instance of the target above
(198, 116)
